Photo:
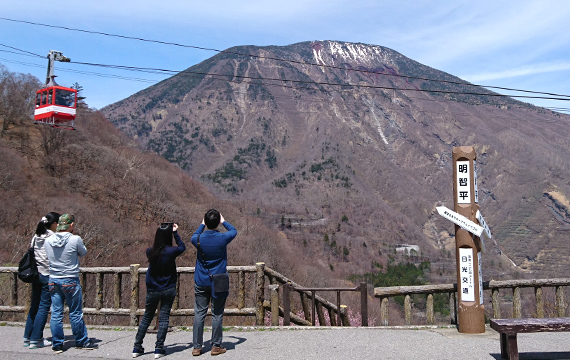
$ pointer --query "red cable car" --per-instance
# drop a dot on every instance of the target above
(56, 105)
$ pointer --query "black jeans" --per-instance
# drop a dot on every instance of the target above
(166, 298)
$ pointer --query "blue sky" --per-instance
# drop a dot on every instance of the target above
(517, 44)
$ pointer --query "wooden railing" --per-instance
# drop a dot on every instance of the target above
(342, 315)
(267, 298)
(275, 305)
(133, 308)
(384, 293)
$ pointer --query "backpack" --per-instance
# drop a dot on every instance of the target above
(27, 268)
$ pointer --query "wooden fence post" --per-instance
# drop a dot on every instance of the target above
(321, 314)
(363, 304)
(241, 289)
(99, 291)
(517, 302)
(429, 310)
(452, 312)
(83, 283)
(260, 294)
(117, 287)
(134, 293)
(560, 301)
(344, 315)
(384, 311)
(306, 306)
(274, 291)
(408, 309)
(539, 302)
(14, 287)
(286, 304)
(176, 302)
(332, 317)
(496, 304)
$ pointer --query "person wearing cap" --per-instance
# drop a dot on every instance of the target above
(63, 250)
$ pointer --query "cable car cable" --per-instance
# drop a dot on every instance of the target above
(133, 68)
(277, 59)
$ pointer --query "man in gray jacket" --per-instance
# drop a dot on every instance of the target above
(63, 250)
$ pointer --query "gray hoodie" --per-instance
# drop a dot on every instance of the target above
(40, 252)
(63, 250)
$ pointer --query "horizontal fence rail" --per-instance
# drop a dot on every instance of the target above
(265, 293)
(384, 293)
(118, 275)
(342, 315)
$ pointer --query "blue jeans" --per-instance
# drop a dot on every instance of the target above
(202, 298)
(67, 290)
(166, 298)
(39, 309)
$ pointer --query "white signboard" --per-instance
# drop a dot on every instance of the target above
(483, 224)
(460, 220)
(480, 279)
(463, 182)
(475, 181)
(467, 286)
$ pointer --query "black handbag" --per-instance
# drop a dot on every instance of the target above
(220, 282)
(27, 268)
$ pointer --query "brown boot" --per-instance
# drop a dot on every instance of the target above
(217, 350)
(197, 352)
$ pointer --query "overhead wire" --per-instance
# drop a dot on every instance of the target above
(24, 52)
(280, 59)
(175, 72)
(261, 80)
(188, 72)
(83, 72)
(246, 81)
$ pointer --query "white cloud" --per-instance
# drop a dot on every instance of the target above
(515, 72)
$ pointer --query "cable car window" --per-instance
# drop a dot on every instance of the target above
(50, 97)
(44, 97)
(65, 98)
(38, 99)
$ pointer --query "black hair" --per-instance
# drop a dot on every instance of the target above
(44, 225)
(212, 218)
(162, 238)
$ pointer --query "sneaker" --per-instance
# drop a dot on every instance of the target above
(138, 351)
(88, 346)
(158, 353)
(39, 344)
(197, 352)
(57, 349)
(217, 350)
(26, 342)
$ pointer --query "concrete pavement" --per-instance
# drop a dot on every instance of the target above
(298, 343)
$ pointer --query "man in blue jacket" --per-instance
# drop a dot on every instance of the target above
(212, 258)
(63, 250)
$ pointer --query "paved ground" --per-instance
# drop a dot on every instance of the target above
(300, 343)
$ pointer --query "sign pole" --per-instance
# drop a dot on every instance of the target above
(471, 311)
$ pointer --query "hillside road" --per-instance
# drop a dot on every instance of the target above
(299, 343)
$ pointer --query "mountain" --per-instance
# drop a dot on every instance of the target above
(118, 194)
(346, 148)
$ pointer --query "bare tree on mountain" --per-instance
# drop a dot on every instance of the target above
(17, 96)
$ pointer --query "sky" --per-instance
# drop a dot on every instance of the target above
(516, 44)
